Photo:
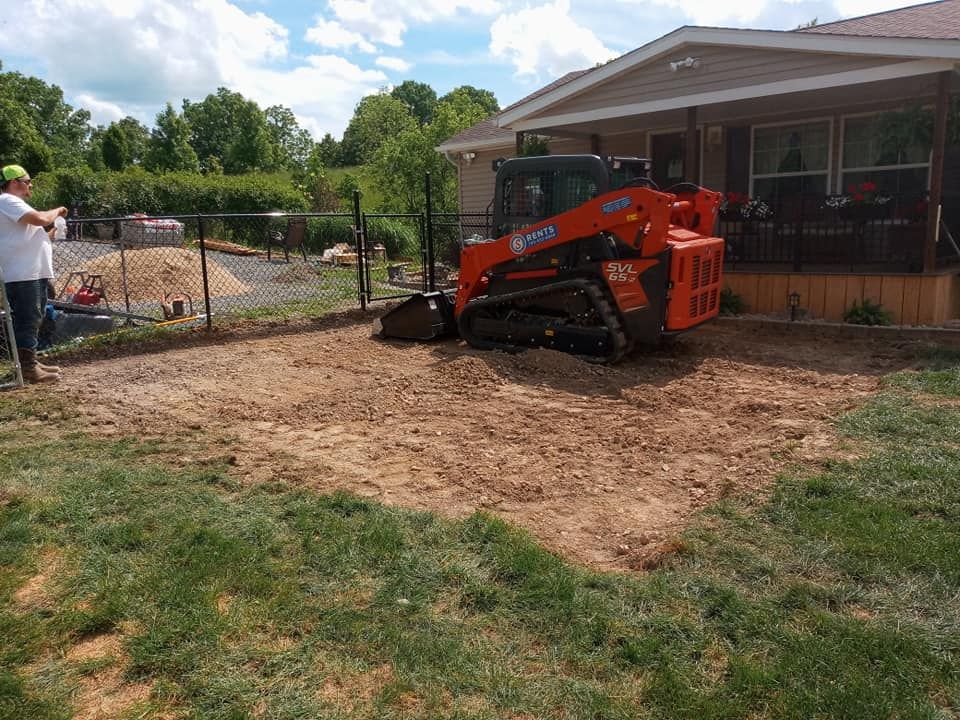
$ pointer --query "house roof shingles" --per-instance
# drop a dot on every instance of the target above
(933, 21)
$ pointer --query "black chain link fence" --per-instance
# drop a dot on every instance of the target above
(198, 269)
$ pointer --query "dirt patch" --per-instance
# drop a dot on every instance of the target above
(603, 464)
(351, 690)
(36, 593)
(153, 272)
(103, 693)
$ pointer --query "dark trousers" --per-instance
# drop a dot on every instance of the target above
(27, 299)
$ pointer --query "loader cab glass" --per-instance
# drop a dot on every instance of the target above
(529, 190)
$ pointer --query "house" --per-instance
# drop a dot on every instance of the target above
(830, 142)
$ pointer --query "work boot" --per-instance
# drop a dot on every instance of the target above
(31, 370)
(48, 368)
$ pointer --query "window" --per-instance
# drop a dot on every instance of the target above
(867, 159)
(790, 160)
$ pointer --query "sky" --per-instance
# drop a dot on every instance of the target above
(320, 57)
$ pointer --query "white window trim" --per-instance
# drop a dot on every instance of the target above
(873, 168)
(828, 171)
(672, 131)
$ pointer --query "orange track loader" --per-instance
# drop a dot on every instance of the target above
(625, 266)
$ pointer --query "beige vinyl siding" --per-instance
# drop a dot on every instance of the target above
(628, 144)
(477, 180)
(721, 68)
(569, 146)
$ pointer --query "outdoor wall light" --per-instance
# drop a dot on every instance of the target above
(794, 300)
(688, 63)
(468, 157)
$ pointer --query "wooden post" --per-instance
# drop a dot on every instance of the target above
(691, 168)
(936, 171)
(594, 144)
(520, 139)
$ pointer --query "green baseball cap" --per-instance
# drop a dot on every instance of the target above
(12, 172)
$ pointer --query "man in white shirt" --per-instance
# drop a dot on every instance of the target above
(26, 257)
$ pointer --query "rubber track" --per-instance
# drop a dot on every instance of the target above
(592, 290)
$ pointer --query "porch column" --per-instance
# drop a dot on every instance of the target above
(936, 171)
(520, 139)
(594, 144)
(691, 168)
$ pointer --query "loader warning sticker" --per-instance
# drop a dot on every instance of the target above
(521, 242)
(615, 205)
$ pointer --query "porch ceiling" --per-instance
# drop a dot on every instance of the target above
(810, 103)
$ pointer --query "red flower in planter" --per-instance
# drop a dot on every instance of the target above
(868, 187)
(858, 197)
(851, 188)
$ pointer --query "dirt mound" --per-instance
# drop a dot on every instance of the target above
(297, 273)
(153, 272)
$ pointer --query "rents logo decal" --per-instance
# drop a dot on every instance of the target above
(521, 242)
(614, 205)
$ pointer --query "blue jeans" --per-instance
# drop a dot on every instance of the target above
(27, 299)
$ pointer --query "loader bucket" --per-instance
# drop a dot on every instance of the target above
(422, 317)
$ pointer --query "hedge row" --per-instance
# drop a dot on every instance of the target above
(116, 194)
(112, 194)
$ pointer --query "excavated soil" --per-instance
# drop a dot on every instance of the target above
(604, 465)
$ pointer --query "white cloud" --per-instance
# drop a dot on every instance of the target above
(393, 63)
(712, 12)
(384, 22)
(333, 35)
(139, 54)
(322, 93)
(545, 40)
(101, 113)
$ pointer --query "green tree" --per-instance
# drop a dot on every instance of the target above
(169, 148)
(403, 160)
(20, 140)
(329, 151)
(294, 144)
(376, 118)
(115, 148)
(419, 97)
(482, 98)
(137, 135)
(232, 129)
(50, 130)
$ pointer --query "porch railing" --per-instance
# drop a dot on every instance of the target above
(808, 234)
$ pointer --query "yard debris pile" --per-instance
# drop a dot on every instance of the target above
(153, 272)
(605, 465)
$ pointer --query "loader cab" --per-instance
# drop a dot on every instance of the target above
(531, 189)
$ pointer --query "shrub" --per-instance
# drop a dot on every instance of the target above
(731, 303)
(112, 194)
(867, 313)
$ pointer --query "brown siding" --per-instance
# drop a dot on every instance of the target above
(721, 68)
(911, 299)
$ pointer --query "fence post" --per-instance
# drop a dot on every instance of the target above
(203, 268)
(360, 241)
(431, 260)
(798, 237)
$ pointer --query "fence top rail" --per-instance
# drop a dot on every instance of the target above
(390, 216)
(202, 216)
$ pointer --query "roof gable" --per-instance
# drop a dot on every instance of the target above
(905, 48)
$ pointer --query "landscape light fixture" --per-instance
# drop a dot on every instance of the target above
(794, 299)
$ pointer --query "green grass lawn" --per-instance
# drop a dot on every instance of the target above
(837, 595)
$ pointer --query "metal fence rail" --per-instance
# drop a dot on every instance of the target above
(10, 371)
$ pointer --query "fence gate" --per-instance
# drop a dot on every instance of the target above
(393, 255)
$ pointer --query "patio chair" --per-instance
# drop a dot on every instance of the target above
(289, 239)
